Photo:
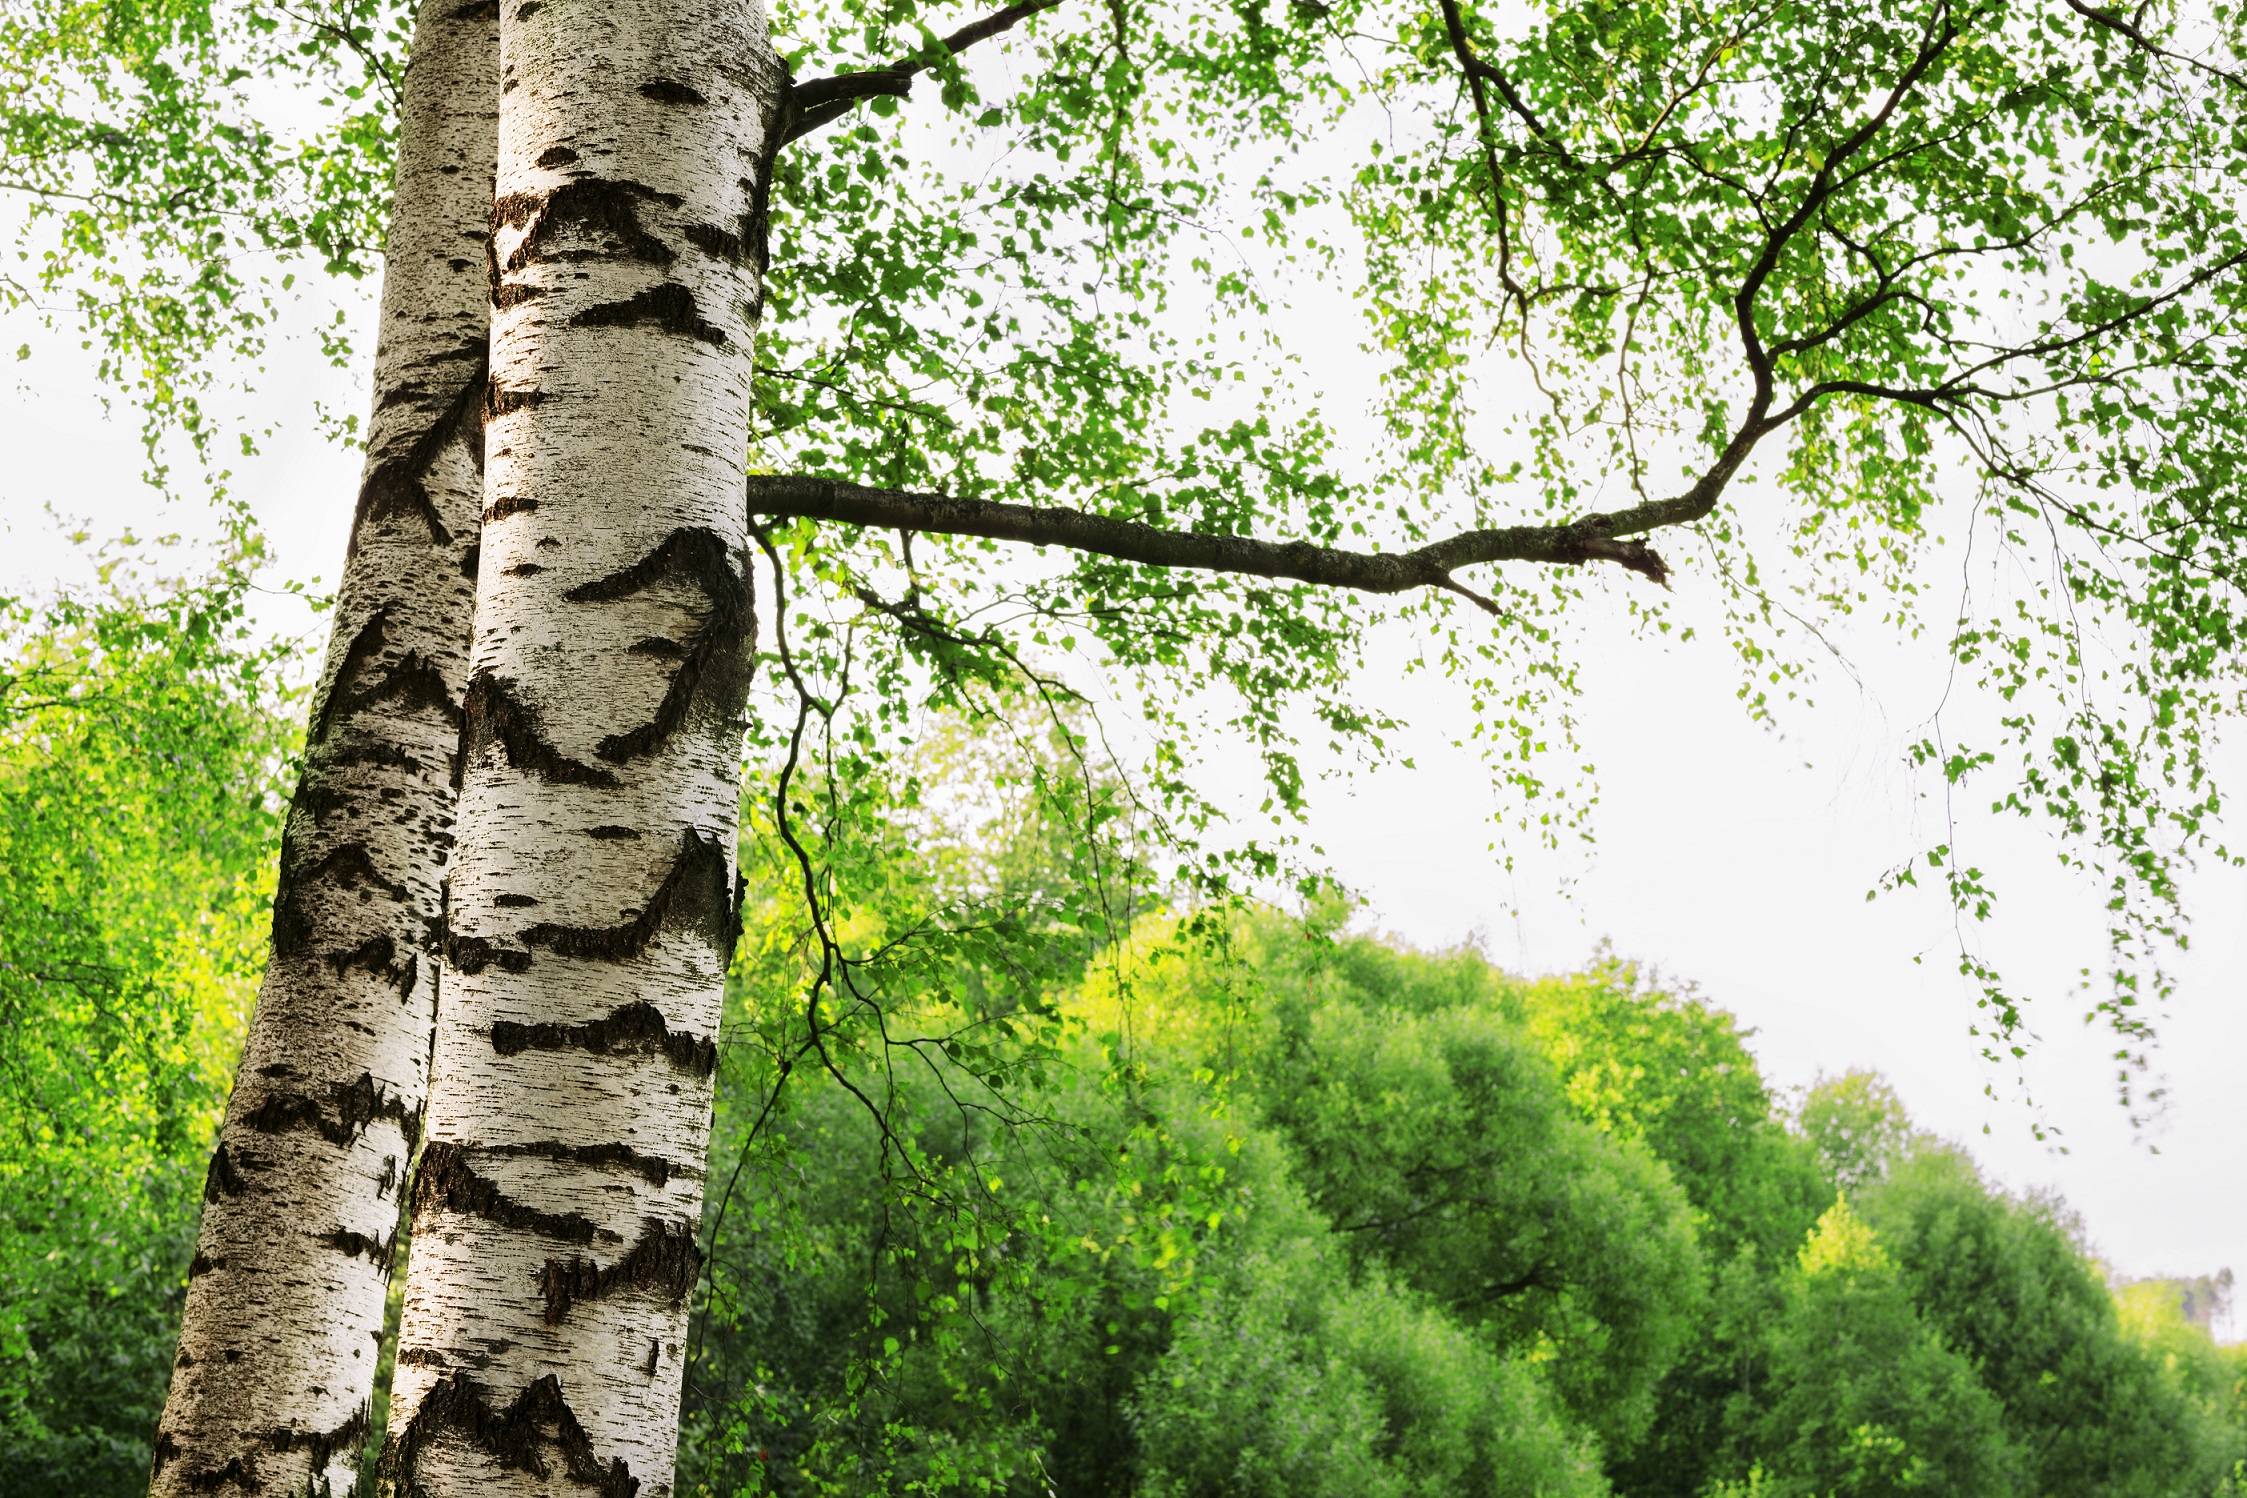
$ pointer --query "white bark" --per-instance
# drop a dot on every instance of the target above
(592, 892)
(284, 1318)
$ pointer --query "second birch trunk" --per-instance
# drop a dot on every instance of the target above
(285, 1298)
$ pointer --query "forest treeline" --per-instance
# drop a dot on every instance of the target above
(1027, 1182)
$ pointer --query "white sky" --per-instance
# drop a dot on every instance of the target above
(1723, 858)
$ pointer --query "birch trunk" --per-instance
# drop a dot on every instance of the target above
(592, 914)
(276, 1363)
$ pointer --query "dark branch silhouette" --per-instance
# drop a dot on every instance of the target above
(1594, 538)
(822, 101)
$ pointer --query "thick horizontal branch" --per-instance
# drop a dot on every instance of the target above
(821, 101)
(1594, 538)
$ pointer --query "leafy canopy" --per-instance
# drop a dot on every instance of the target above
(1826, 283)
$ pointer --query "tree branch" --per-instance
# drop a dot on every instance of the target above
(822, 101)
(1594, 538)
(1480, 72)
(2129, 29)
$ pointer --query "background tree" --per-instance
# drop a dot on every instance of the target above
(1105, 1252)
(1867, 1399)
(142, 750)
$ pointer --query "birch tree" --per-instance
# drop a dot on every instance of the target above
(286, 1294)
(559, 1193)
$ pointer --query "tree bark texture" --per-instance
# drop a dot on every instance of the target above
(284, 1318)
(592, 900)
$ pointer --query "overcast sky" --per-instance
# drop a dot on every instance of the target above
(1728, 856)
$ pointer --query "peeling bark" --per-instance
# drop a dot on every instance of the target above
(592, 916)
(284, 1314)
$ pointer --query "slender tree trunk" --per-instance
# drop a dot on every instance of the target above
(592, 915)
(270, 1389)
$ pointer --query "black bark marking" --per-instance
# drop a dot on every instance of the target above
(240, 1471)
(373, 954)
(378, 955)
(355, 1105)
(412, 681)
(636, 1029)
(670, 650)
(719, 651)
(505, 402)
(353, 1245)
(554, 156)
(523, 569)
(590, 203)
(669, 307)
(470, 561)
(494, 716)
(665, 91)
(505, 296)
(446, 1180)
(203, 1264)
(317, 797)
(513, 902)
(405, 392)
(224, 1178)
(612, 834)
(349, 866)
(365, 646)
(654, 1169)
(665, 1260)
(472, 954)
(722, 243)
(516, 1438)
(475, 10)
(323, 1445)
(694, 896)
(387, 756)
(509, 504)
(395, 485)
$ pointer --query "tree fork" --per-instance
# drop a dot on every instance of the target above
(276, 1364)
(591, 918)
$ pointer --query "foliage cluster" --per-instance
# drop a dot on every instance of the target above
(141, 751)
(1226, 1202)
